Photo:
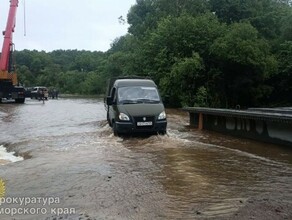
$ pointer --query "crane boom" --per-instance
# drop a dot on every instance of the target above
(7, 43)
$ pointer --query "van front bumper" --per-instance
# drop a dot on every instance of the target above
(130, 127)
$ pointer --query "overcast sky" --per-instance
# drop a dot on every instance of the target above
(67, 24)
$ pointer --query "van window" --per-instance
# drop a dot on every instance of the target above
(138, 93)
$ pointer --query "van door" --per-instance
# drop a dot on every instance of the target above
(112, 107)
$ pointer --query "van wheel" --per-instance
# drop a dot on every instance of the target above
(162, 132)
(115, 130)
(108, 120)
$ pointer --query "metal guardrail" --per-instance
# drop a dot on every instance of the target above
(279, 115)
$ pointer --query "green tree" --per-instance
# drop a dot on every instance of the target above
(141, 17)
(286, 27)
(201, 97)
(177, 38)
(185, 77)
(125, 56)
(246, 62)
(146, 14)
(282, 80)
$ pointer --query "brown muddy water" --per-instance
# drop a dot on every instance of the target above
(65, 150)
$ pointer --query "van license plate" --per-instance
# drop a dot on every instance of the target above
(144, 123)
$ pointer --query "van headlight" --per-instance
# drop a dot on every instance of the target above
(124, 117)
(162, 116)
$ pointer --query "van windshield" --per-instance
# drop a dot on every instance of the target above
(138, 94)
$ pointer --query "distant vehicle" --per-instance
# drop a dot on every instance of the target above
(28, 92)
(134, 106)
(39, 92)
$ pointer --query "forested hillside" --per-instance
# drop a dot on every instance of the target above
(216, 53)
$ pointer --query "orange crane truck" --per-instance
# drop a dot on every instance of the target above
(9, 88)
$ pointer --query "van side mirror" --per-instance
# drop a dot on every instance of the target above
(109, 100)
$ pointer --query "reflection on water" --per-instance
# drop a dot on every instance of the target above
(198, 171)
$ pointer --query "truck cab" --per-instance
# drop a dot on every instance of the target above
(135, 106)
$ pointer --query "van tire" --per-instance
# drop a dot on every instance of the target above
(108, 120)
(115, 130)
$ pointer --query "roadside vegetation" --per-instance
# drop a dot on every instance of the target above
(213, 53)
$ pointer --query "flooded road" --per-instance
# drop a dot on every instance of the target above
(65, 150)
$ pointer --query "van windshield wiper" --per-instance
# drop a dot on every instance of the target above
(148, 100)
(128, 101)
(138, 101)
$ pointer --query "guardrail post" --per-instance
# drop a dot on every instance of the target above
(200, 126)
